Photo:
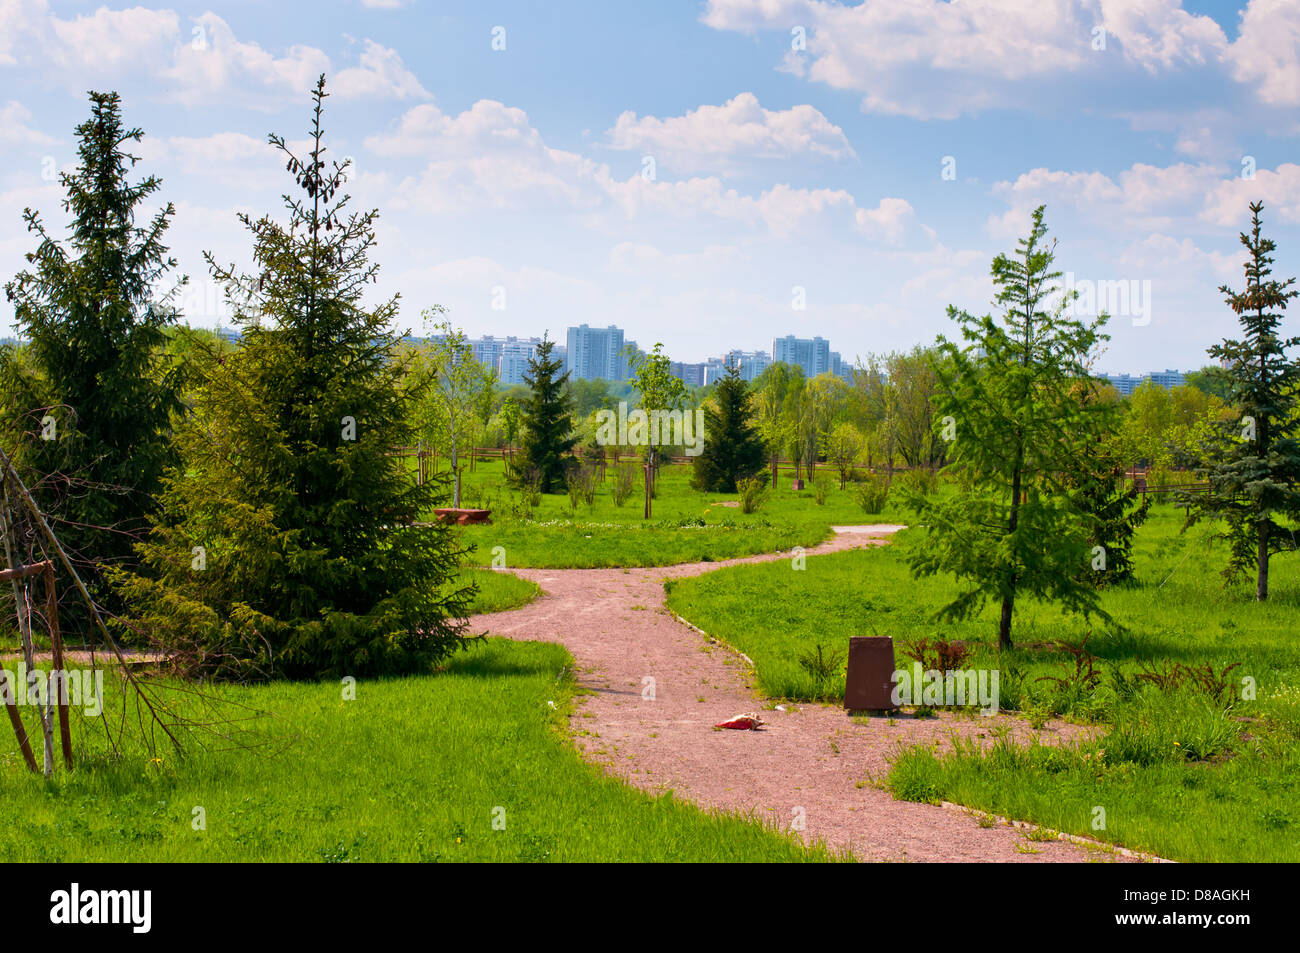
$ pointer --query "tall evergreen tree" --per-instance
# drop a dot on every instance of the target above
(291, 540)
(733, 450)
(91, 397)
(1256, 476)
(1011, 395)
(547, 441)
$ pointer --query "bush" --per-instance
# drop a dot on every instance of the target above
(923, 481)
(624, 482)
(581, 485)
(530, 489)
(871, 494)
(821, 486)
(753, 493)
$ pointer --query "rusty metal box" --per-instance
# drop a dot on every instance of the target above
(869, 683)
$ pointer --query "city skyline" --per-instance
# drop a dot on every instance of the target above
(493, 351)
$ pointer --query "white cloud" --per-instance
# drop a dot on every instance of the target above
(380, 75)
(14, 129)
(1267, 51)
(1160, 34)
(1278, 189)
(192, 62)
(887, 221)
(491, 156)
(941, 59)
(1142, 196)
(1158, 252)
(740, 128)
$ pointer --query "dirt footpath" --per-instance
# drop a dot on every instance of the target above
(811, 764)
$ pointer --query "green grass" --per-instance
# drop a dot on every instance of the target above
(1226, 790)
(496, 591)
(686, 525)
(414, 769)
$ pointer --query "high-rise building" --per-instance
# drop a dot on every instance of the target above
(812, 354)
(508, 356)
(1168, 378)
(692, 375)
(1126, 384)
(597, 353)
(515, 355)
(751, 363)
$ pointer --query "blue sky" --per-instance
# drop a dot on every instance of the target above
(693, 171)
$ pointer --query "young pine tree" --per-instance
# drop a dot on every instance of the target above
(733, 450)
(547, 441)
(1011, 394)
(90, 400)
(291, 540)
(1256, 477)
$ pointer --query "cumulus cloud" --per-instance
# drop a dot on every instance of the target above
(1278, 189)
(940, 59)
(192, 62)
(738, 129)
(14, 128)
(1142, 196)
(491, 156)
(1266, 53)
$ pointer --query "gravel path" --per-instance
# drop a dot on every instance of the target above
(811, 763)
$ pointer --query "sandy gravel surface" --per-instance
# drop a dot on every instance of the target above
(811, 763)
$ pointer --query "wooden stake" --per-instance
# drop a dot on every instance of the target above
(56, 646)
(14, 574)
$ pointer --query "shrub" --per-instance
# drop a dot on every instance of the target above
(871, 494)
(753, 493)
(922, 481)
(820, 487)
(624, 482)
(939, 655)
(822, 665)
(530, 489)
(581, 485)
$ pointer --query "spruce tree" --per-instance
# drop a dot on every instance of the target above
(547, 434)
(733, 450)
(1011, 395)
(293, 540)
(1256, 476)
(91, 394)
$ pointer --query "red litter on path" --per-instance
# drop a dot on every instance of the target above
(748, 722)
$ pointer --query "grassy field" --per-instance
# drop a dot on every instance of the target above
(495, 591)
(413, 769)
(686, 525)
(1177, 772)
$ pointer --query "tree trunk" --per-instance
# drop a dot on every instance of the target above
(455, 471)
(649, 491)
(1004, 624)
(1009, 600)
